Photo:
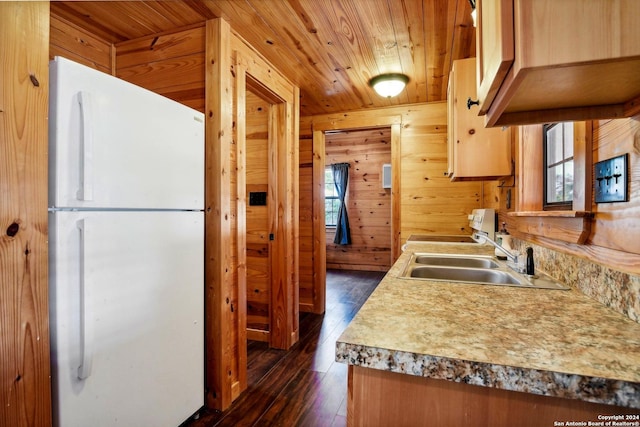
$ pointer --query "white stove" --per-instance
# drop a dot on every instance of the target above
(484, 221)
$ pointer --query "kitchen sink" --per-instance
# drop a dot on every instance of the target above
(473, 275)
(475, 269)
(456, 261)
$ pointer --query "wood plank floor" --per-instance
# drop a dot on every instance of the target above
(303, 386)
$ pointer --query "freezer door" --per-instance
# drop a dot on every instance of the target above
(116, 145)
(126, 301)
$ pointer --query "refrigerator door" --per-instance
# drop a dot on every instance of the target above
(116, 145)
(127, 317)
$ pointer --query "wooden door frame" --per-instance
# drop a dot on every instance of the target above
(280, 307)
(230, 66)
(319, 155)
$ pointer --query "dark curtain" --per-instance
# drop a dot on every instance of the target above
(341, 179)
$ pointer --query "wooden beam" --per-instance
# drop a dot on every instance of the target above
(396, 182)
(241, 219)
(218, 263)
(319, 234)
(24, 328)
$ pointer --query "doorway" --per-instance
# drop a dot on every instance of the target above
(267, 249)
(313, 253)
(368, 202)
(259, 217)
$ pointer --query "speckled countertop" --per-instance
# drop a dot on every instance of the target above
(548, 342)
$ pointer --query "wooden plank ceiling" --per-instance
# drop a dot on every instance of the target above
(329, 48)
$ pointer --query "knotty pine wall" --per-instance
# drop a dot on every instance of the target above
(429, 203)
(368, 204)
(614, 239)
(307, 275)
(617, 225)
(169, 64)
(257, 217)
(74, 43)
(25, 383)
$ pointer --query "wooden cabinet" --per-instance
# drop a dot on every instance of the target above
(383, 398)
(474, 152)
(548, 61)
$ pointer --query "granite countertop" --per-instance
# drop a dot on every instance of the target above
(548, 342)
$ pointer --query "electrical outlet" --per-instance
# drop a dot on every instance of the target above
(610, 184)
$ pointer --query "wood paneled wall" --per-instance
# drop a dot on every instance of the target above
(429, 203)
(74, 43)
(257, 218)
(25, 393)
(614, 238)
(617, 225)
(307, 276)
(368, 204)
(170, 64)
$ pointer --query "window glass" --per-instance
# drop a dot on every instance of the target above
(554, 150)
(331, 200)
(558, 145)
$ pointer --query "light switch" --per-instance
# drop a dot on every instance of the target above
(610, 184)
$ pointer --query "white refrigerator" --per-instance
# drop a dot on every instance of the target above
(126, 248)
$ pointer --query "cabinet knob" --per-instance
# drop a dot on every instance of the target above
(470, 102)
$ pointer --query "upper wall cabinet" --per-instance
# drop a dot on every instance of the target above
(474, 152)
(548, 61)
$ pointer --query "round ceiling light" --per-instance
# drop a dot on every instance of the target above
(389, 85)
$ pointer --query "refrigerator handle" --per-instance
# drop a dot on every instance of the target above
(86, 330)
(86, 156)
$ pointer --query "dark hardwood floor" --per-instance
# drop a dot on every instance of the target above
(303, 386)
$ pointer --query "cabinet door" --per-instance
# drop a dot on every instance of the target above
(495, 47)
(450, 125)
(477, 152)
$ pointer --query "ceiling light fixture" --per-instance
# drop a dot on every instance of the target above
(389, 85)
(473, 11)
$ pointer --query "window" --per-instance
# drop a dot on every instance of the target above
(558, 164)
(331, 199)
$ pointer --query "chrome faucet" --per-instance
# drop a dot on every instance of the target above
(482, 238)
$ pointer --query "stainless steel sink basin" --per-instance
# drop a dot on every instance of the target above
(455, 261)
(472, 275)
(476, 269)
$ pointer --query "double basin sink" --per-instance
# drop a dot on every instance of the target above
(476, 269)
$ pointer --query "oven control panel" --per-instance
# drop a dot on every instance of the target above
(483, 220)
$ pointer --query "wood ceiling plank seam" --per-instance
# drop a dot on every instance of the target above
(300, 37)
(181, 14)
(462, 33)
(97, 51)
(379, 29)
(68, 12)
(452, 13)
(241, 17)
(407, 14)
(360, 32)
(335, 62)
(339, 62)
(150, 49)
(342, 56)
(185, 71)
(151, 17)
(435, 18)
(207, 9)
(358, 55)
(109, 14)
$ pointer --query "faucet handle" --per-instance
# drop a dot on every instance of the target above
(531, 270)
